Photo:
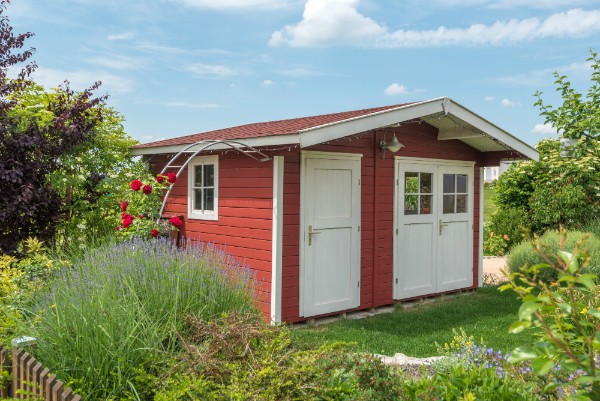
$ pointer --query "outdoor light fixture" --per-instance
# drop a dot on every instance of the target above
(393, 146)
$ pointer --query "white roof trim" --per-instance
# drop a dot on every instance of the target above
(328, 132)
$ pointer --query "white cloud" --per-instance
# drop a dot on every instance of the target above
(395, 90)
(115, 61)
(537, 78)
(237, 4)
(80, 80)
(509, 103)
(543, 129)
(489, 98)
(267, 83)
(327, 22)
(122, 36)
(214, 70)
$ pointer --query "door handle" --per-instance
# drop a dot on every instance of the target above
(441, 225)
(311, 232)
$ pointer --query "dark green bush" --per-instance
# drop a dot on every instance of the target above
(525, 254)
(504, 229)
(566, 205)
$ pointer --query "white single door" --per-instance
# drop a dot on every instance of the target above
(455, 228)
(330, 248)
(417, 231)
(434, 228)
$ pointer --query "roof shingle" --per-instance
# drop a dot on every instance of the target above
(262, 129)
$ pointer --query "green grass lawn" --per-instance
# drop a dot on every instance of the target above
(489, 206)
(485, 313)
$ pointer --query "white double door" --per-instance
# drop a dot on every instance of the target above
(433, 247)
(330, 233)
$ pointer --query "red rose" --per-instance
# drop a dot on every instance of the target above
(127, 220)
(154, 232)
(147, 189)
(118, 228)
(136, 185)
(123, 206)
(176, 221)
(172, 178)
(123, 215)
(160, 178)
(140, 216)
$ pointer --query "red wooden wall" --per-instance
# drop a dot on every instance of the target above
(244, 226)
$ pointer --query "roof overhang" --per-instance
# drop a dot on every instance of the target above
(453, 121)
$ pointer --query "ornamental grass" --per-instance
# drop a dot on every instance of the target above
(112, 322)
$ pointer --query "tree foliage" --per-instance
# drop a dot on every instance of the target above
(576, 118)
(31, 148)
(556, 189)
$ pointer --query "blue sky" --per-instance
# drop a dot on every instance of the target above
(176, 67)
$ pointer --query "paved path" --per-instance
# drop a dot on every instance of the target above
(493, 266)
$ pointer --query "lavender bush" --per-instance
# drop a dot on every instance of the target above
(110, 323)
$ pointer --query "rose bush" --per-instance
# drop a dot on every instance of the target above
(140, 210)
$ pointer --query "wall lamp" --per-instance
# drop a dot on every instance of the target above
(393, 146)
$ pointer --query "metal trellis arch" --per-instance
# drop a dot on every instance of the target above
(235, 145)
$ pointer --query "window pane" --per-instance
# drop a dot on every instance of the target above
(197, 176)
(209, 199)
(410, 204)
(426, 183)
(449, 184)
(197, 199)
(411, 183)
(461, 184)
(461, 203)
(448, 204)
(209, 175)
(425, 204)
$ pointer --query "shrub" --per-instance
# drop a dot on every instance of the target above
(526, 255)
(504, 229)
(115, 316)
(566, 317)
(566, 205)
(243, 358)
(593, 226)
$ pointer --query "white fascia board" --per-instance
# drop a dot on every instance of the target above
(495, 132)
(340, 129)
(274, 140)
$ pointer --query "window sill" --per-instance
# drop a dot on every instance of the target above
(200, 216)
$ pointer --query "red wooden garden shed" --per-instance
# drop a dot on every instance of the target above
(328, 217)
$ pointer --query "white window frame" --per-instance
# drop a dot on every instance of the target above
(207, 214)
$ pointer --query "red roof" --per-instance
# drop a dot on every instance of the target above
(255, 130)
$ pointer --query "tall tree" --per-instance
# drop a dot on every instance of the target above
(31, 145)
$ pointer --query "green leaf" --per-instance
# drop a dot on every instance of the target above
(587, 280)
(541, 366)
(565, 307)
(518, 326)
(523, 353)
(527, 309)
(571, 262)
(594, 312)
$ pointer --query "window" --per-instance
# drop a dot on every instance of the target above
(203, 190)
(455, 193)
(417, 193)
